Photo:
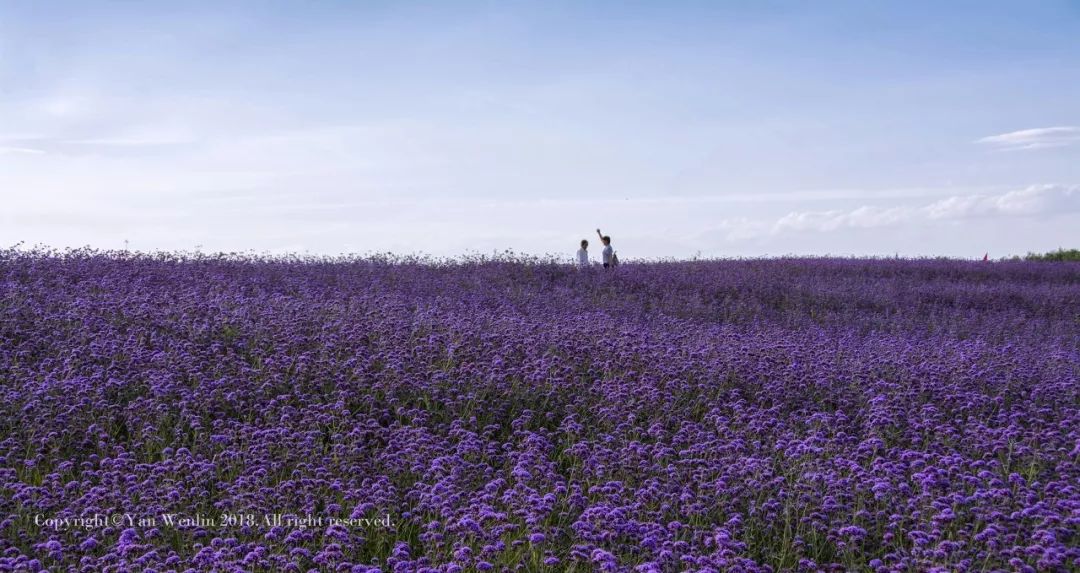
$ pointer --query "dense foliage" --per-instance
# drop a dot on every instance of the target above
(1058, 255)
(520, 415)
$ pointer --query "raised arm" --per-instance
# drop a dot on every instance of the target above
(598, 234)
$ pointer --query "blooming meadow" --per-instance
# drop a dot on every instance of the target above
(515, 414)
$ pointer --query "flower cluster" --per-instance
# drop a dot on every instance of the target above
(522, 415)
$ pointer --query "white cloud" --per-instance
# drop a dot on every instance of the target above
(1039, 199)
(864, 217)
(20, 151)
(66, 107)
(129, 141)
(741, 229)
(870, 217)
(1038, 138)
(956, 207)
(1032, 200)
(809, 221)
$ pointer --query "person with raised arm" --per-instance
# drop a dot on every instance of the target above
(608, 254)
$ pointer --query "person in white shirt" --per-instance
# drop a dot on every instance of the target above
(609, 253)
(583, 255)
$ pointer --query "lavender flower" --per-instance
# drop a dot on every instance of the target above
(827, 414)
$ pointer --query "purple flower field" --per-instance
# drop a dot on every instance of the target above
(519, 415)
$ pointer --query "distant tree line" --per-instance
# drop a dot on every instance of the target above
(1058, 255)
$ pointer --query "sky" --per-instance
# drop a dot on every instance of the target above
(682, 129)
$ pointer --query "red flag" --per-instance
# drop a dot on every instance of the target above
(986, 257)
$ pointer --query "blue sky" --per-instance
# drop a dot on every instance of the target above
(681, 128)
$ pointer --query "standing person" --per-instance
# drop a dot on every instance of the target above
(608, 253)
(583, 255)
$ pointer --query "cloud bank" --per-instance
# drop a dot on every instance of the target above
(1031, 201)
